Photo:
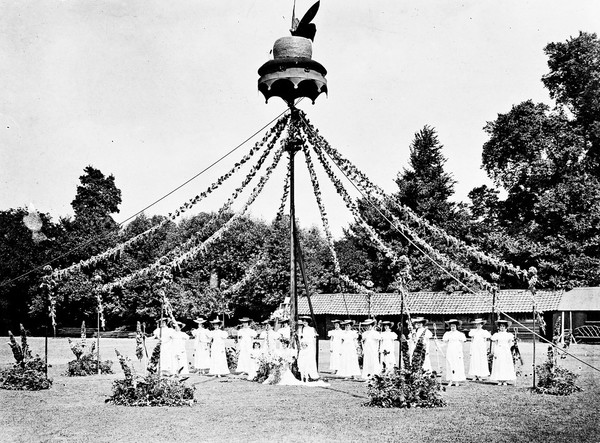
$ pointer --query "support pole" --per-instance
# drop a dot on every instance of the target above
(98, 341)
(562, 328)
(400, 353)
(46, 349)
(533, 359)
(160, 331)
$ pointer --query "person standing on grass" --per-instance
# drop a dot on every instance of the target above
(270, 338)
(503, 367)
(335, 341)
(201, 347)
(254, 360)
(284, 333)
(388, 348)
(180, 359)
(165, 334)
(455, 365)
(218, 356)
(246, 336)
(370, 341)
(421, 331)
(348, 355)
(478, 365)
(309, 335)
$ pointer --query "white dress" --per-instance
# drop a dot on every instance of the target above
(201, 348)
(388, 349)
(503, 368)
(335, 341)
(348, 355)
(270, 340)
(371, 365)
(307, 359)
(245, 337)
(218, 357)
(180, 359)
(455, 365)
(166, 349)
(255, 355)
(284, 334)
(478, 365)
(427, 335)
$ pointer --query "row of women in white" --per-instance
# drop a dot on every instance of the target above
(379, 350)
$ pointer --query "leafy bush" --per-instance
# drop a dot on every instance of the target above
(149, 390)
(27, 373)
(85, 362)
(410, 387)
(232, 357)
(554, 379)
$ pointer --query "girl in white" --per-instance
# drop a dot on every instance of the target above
(421, 331)
(254, 360)
(503, 367)
(387, 347)
(478, 365)
(270, 338)
(201, 347)
(307, 358)
(455, 366)
(180, 360)
(348, 355)
(335, 341)
(246, 336)
(370, 340)
(165, 334)
(218, 357)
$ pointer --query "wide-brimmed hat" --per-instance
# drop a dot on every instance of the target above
(386, 322)
(507, 323)
(478, 321)
(267, 321)
(216, 320)
(336, 321)
(245, 320)
(454, 321)
(305, 317)
(347, 322)
(200, 320)
(418, 320)
(368, 322)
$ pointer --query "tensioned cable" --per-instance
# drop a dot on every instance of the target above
(95, 239)
(440, 266)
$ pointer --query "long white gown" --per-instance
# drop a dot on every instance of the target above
(245, 337)
(180, 359)
(166, 349)
(218, 357)
(307, 359)
(478, 364)
(503, 367)
(348, 355)
(201, 348)
(270, 340)
(427, 335)
(455, 365)
(388, 350)
(371, 365)
(335, 341)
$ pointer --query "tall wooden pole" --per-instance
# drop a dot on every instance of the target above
(534, 332)
(401, 352)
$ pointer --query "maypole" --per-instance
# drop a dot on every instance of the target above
(293, 75)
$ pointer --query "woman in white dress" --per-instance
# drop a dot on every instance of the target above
(503, 367)
(307, 359)
(254, 360)
(246, 336)
(421, 331)
(455, 365)
(180, 359)
(335, 341)
(370, 340)
(388, 347)
(218, 357)
(348, 355)
(165, 335)
(478, 364)
(201, 347)
(270, 338)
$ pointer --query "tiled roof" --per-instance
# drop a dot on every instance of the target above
(581, 299)
(429, 303)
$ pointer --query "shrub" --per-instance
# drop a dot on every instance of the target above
(554, 379)
(149, 390)
(27, 373)
(410, 387)
(232, 358)
(85, 362)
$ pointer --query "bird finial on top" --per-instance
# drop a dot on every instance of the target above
(304, 27)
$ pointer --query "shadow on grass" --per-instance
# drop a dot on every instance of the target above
(345, 392)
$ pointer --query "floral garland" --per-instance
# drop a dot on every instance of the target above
(405, 229)
(375, 192)
(116, 251)
(317, 191)
(286, 193)
(98, 290)
(179, 261)
(48, 288)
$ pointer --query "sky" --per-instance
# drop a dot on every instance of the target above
(153, 92)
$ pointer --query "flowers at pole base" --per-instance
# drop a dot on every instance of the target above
(272, 365)
(149, 390)
(553, 379)
(28, 373)
(86, 361)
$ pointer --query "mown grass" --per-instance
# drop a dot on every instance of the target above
(233, 409)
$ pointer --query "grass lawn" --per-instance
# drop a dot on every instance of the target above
(233, 409)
